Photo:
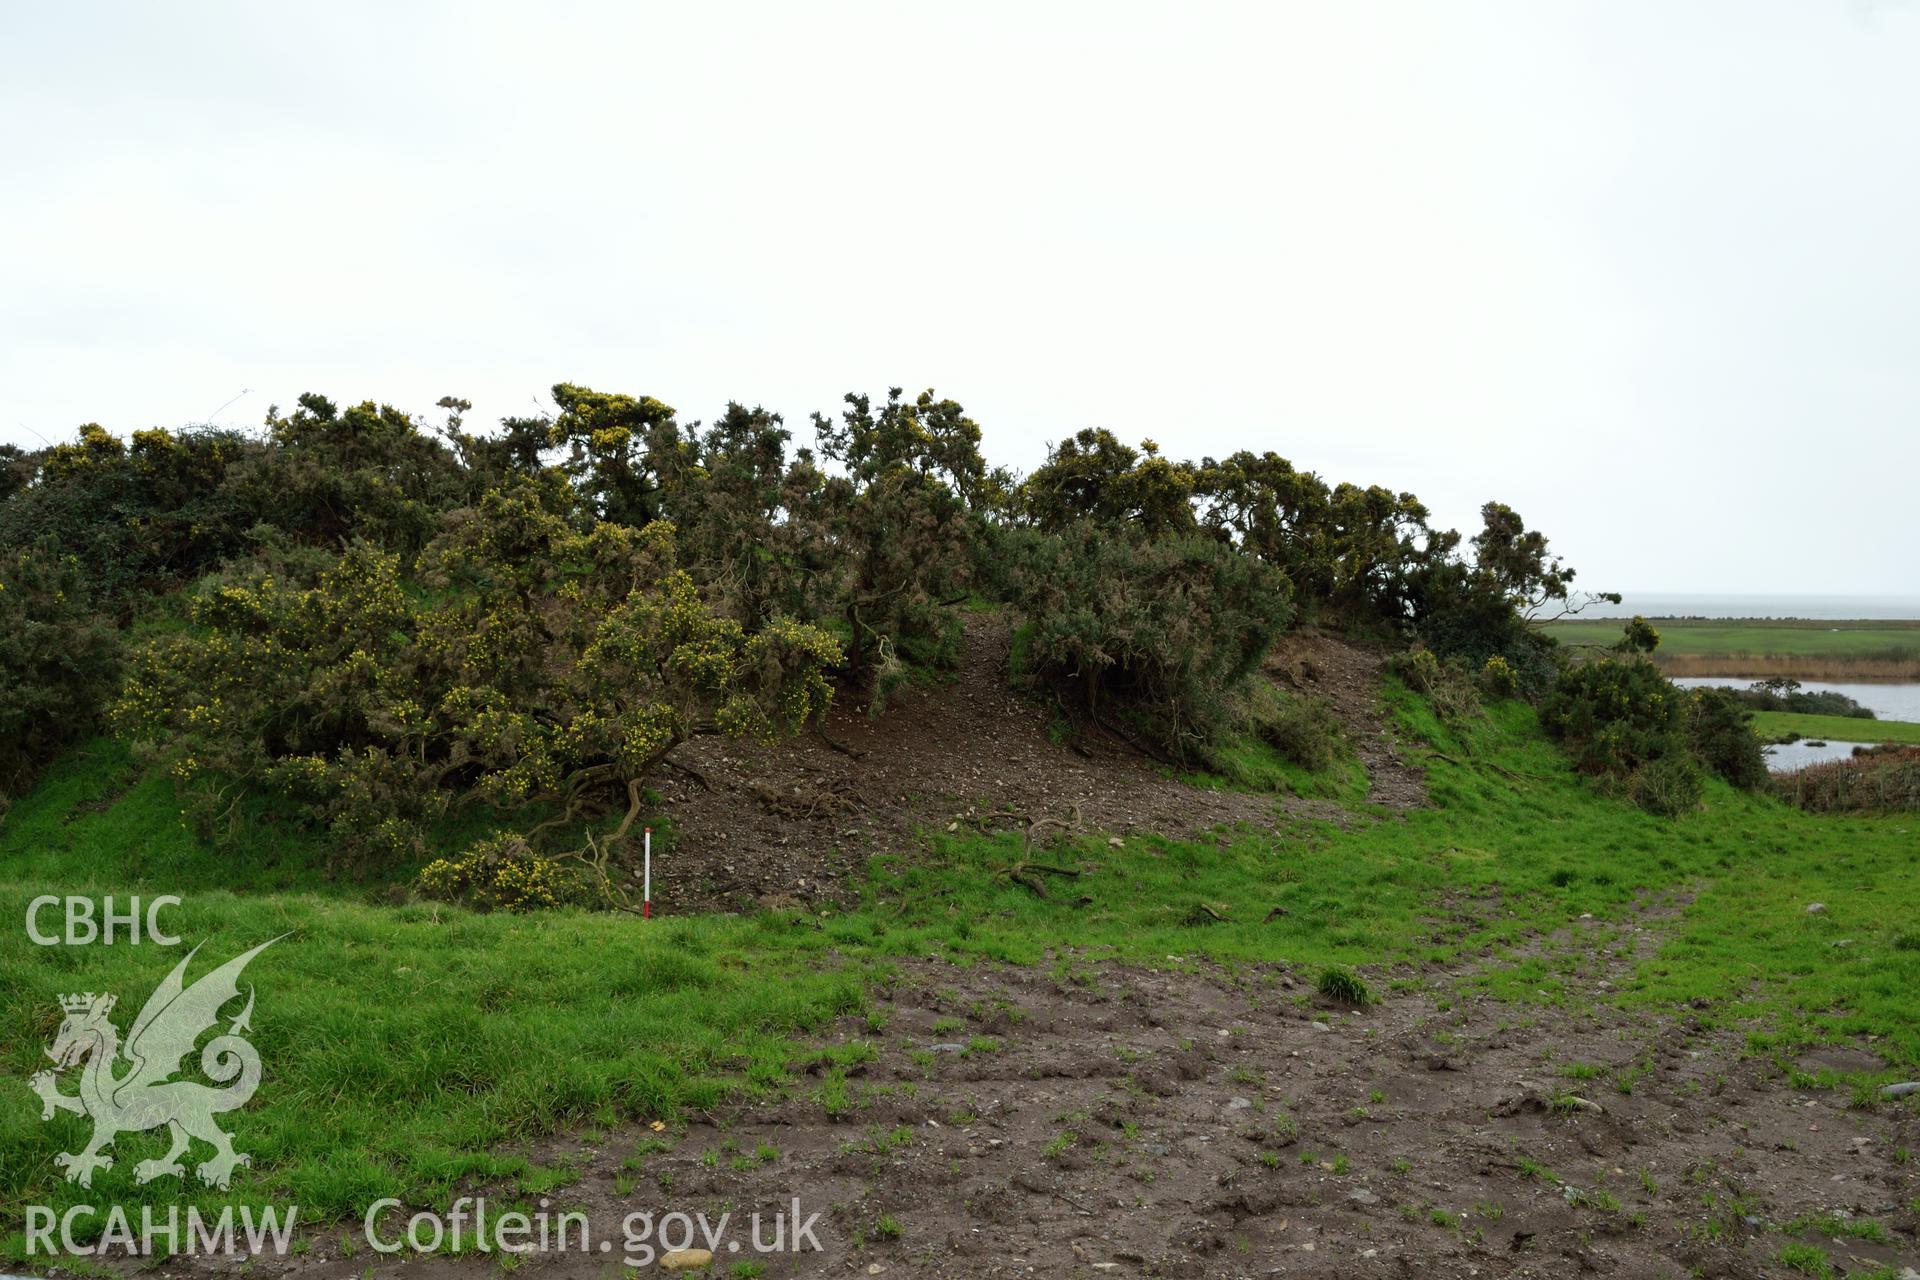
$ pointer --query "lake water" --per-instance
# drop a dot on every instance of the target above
(1785, 757)
(1887, 700)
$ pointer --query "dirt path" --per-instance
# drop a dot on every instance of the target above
(1130, 1122)
(1348, 677)
(1098, 1120)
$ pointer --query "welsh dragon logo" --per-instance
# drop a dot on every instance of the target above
(143, 1096)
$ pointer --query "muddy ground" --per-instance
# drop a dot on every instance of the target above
(1100, 1120)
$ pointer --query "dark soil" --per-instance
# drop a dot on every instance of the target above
(1090, 1120)
(794, 826)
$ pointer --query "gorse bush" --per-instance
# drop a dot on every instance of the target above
(1354, 555)
(1446, 685)
(1720, 731)
(397, 627)
(1669, 786)
(1303, 730)
(367, 473)
(138, 517)
(1093, 477)
(551, 667)
(59, 661)
(902, 520)
(1615, 715)
(1154, 638)
(1480, 609)
(503, 873)
(1498, 679)
(1638, 636)
(1619, 717)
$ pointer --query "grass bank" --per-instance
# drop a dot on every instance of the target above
(1870, 649)
(1786, 726)
(413, 1047)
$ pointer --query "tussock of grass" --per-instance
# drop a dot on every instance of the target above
(1249, 764)
(1344, 986)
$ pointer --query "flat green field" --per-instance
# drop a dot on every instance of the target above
(1755, 648)
(1782, 726)
(1742, 636)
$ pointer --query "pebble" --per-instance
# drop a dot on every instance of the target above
(1363, 1197)
(1320, 1026)
(1815, 908)
(1901, 1091)
(1238, 1104)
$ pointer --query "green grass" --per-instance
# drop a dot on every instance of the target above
(1807, 1259)
(413, 1047)
(1537, 853)
(1784, 726)
(406, 1047)
(1251, 765)
(1813, 638)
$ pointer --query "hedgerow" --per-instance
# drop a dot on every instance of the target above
(394, 626)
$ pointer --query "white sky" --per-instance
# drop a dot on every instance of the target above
(1646, 271)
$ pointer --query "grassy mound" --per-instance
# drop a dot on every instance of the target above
(411, 1046)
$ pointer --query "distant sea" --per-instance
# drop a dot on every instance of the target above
(1654, 604)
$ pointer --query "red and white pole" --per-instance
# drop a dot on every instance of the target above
(646, 873)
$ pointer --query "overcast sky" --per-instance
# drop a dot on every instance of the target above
(1646, 271)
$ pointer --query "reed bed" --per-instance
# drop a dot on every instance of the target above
(1880, 781)
(1894, 664)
